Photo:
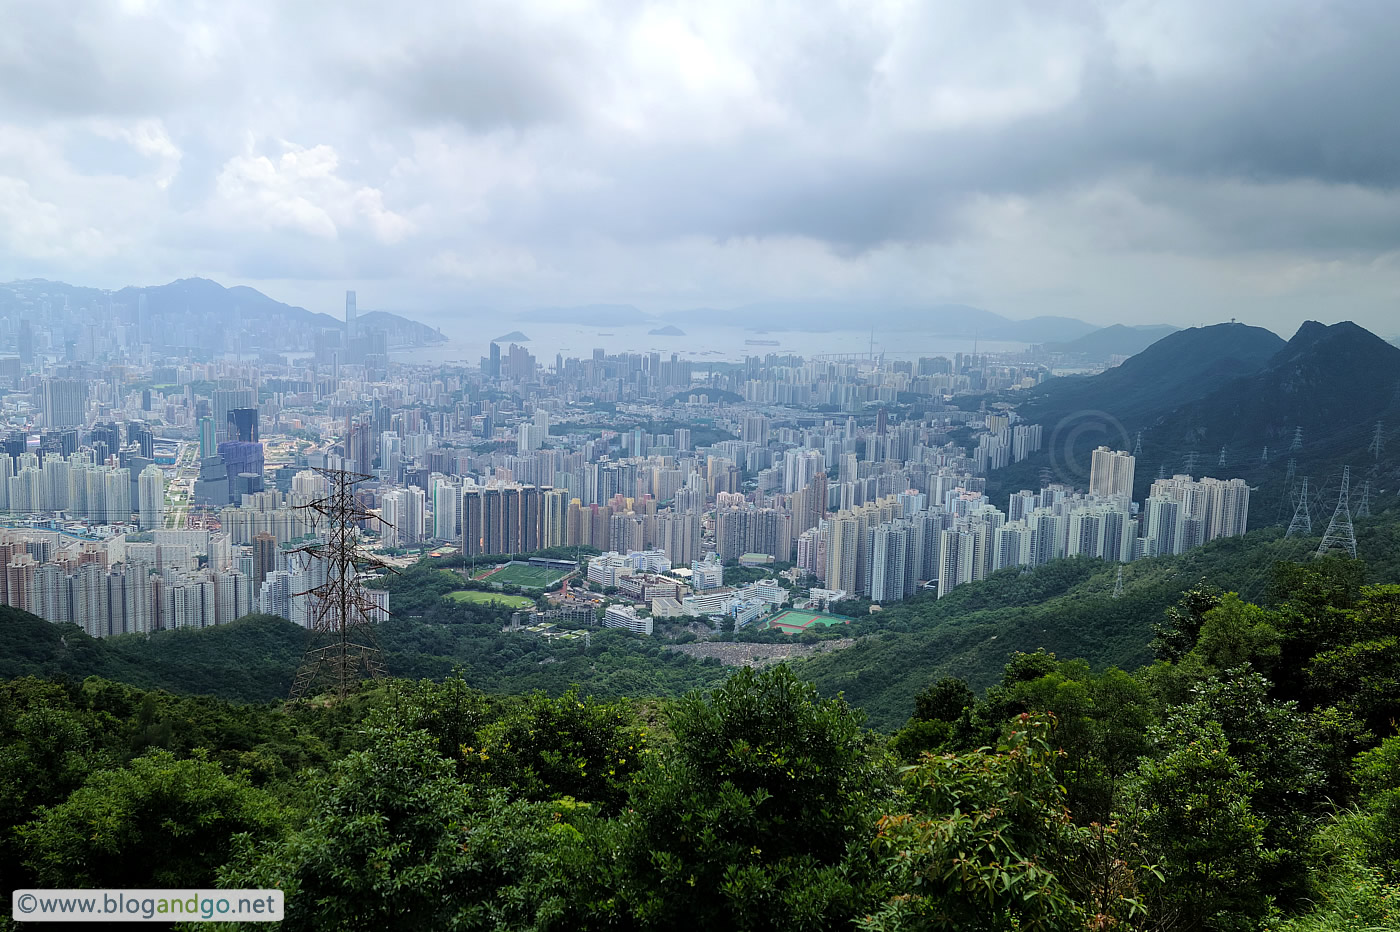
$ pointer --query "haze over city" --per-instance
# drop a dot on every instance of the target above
(1122, 162)
(700, 466)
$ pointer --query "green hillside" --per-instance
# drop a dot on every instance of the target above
(1066, 608)
(1247, 780)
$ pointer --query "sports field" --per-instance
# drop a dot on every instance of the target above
(525, 575)
(471, 595)
(795, 622)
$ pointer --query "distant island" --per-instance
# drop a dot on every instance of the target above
(670, 330)
(515, 336)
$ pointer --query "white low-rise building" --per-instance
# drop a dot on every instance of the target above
(625, 616)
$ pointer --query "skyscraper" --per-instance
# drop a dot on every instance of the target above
(243, 425)
(264, 558)
(65, 402)
(351, 315)
(151, 495)
(1111, 473)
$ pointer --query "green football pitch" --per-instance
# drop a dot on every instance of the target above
(512, 601)
(795, 622)
(526, 575)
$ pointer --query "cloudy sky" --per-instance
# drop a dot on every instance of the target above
(1139, 161)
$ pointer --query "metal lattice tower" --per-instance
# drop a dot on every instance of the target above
(1364, 509)
(1221, 462)
(1297, 440)
(1162, 471)
(1377, 446)
(1302, 514)
(1118, 584)
(1191, 462)
(342, 647)
(1292, 470)
(1264, 458)
(1137, 445)
(1339, 530)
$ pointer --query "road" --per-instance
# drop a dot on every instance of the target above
(179, 490)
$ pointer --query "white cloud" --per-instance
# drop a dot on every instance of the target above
(1119, 159)
(302, 191)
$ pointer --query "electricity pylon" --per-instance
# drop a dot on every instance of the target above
(342, 647)
(1264, 458)
(1297, 439)
(1364, 509)
(1339, 530)
(1377, 446)
(1292, 471)
(1137, 445)
(1221, 462)
(1118, 584)
(1191, 462)
(1302, 514)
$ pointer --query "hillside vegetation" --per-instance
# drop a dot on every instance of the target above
(1248, 778)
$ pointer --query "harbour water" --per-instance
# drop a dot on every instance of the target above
(469, 341)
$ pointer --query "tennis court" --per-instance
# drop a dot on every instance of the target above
(795, 622)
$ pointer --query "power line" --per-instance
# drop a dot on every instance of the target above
(342, 646)
(1340, 533)
(1302, 514)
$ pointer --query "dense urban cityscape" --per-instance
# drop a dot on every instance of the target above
(147, 490)
(700, 467)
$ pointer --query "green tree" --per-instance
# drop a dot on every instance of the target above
(161, 822)
(983, 842)
(397, 842)
(756, 816)
(1190, 808)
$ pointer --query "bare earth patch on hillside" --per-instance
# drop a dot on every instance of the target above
(757, 655)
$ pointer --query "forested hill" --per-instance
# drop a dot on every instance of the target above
(1248, 780)
(1179, 367)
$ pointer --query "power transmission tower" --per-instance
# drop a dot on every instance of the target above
(1265, 457)
(1364, 509)
(1297, 440)
(1162, 471)
(1292, 471)
(1339, 530)
(1118, 584)
(1137, 445)
(1377, 446)
(1302, 514)
(1191, 462)
(1221, 462)
(342, 646)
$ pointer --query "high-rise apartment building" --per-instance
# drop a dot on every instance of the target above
(151, 492)
(65, 402)
(1111, 473)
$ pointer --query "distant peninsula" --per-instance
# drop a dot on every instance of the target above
(670, 330)
(515, 336)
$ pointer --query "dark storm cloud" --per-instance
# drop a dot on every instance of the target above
(1006, 151)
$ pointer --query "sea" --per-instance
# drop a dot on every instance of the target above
(700, 343)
